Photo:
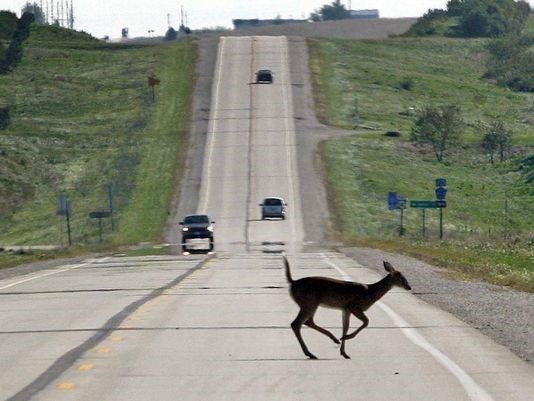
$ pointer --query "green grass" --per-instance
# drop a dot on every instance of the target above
(484, 239)
(82, 117)
(366, 77)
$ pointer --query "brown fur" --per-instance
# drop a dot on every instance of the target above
(350, 297)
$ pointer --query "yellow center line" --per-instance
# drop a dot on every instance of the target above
(86, 367)
(65, 386)
(103, 350)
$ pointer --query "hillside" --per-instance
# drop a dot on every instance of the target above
(83, 118)
(489, 218)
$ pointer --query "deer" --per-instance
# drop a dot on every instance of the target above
(350, 297)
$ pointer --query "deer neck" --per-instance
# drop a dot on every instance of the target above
(378, 290)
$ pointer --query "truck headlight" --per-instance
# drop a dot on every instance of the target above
(185, 228)
(210, 228)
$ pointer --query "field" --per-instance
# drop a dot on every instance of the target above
(379, 86)
(84, 124)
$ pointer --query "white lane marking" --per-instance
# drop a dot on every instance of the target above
(474, 391)
(205, 184)
(289, 141)
(50, 273)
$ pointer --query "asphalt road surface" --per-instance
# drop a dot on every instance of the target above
(216, 327)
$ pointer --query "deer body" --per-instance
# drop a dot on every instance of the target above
(350, 297)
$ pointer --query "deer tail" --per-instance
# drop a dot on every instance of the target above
(288, 271)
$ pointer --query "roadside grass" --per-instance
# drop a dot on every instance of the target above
(145, 215)
(11, 259)
(83, 118)
(489, 219)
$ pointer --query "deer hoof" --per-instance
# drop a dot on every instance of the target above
(337, 341)
(311, 356)
(345, 356)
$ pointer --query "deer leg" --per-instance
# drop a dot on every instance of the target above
(360, 315)
(303, 316)
(310, 323)
(346, 321)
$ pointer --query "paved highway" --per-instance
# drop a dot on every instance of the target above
(250, 151)
(196, 327)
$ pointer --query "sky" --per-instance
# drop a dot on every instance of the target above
(151, 17)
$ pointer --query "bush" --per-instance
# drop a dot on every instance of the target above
(474, 18)
(510, 62)
(407, 83)
(171, 34)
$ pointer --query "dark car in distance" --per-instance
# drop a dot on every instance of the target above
(264, 77)
(197, 226)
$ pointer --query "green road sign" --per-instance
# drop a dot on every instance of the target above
(424, 204)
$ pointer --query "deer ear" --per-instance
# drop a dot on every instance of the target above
(388, 267)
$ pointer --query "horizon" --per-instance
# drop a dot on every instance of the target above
(100, 18)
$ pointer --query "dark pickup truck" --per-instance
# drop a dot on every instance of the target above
(197, 226)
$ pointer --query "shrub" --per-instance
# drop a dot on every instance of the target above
(407, 83)
(171, 34)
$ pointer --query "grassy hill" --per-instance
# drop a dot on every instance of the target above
(489, 219)
(83, 118)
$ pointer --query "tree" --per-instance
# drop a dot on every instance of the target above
(13, 54)
(493, 18)
(496, 139)
(334, 11)
(474, 18)
(171, 34)
(438, 126)
(36, 10)
(8, 24)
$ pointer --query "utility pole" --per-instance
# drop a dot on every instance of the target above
(168, 20)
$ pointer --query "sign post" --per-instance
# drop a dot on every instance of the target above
(153, 81)
(441, 193)
(99, 214)
(395, 202)
(63, 209)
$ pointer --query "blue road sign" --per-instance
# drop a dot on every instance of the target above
(441, 193)
(441, 182)
(392, 201)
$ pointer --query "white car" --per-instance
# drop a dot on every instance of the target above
(273, 207)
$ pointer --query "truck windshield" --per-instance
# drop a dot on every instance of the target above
(202, 218)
